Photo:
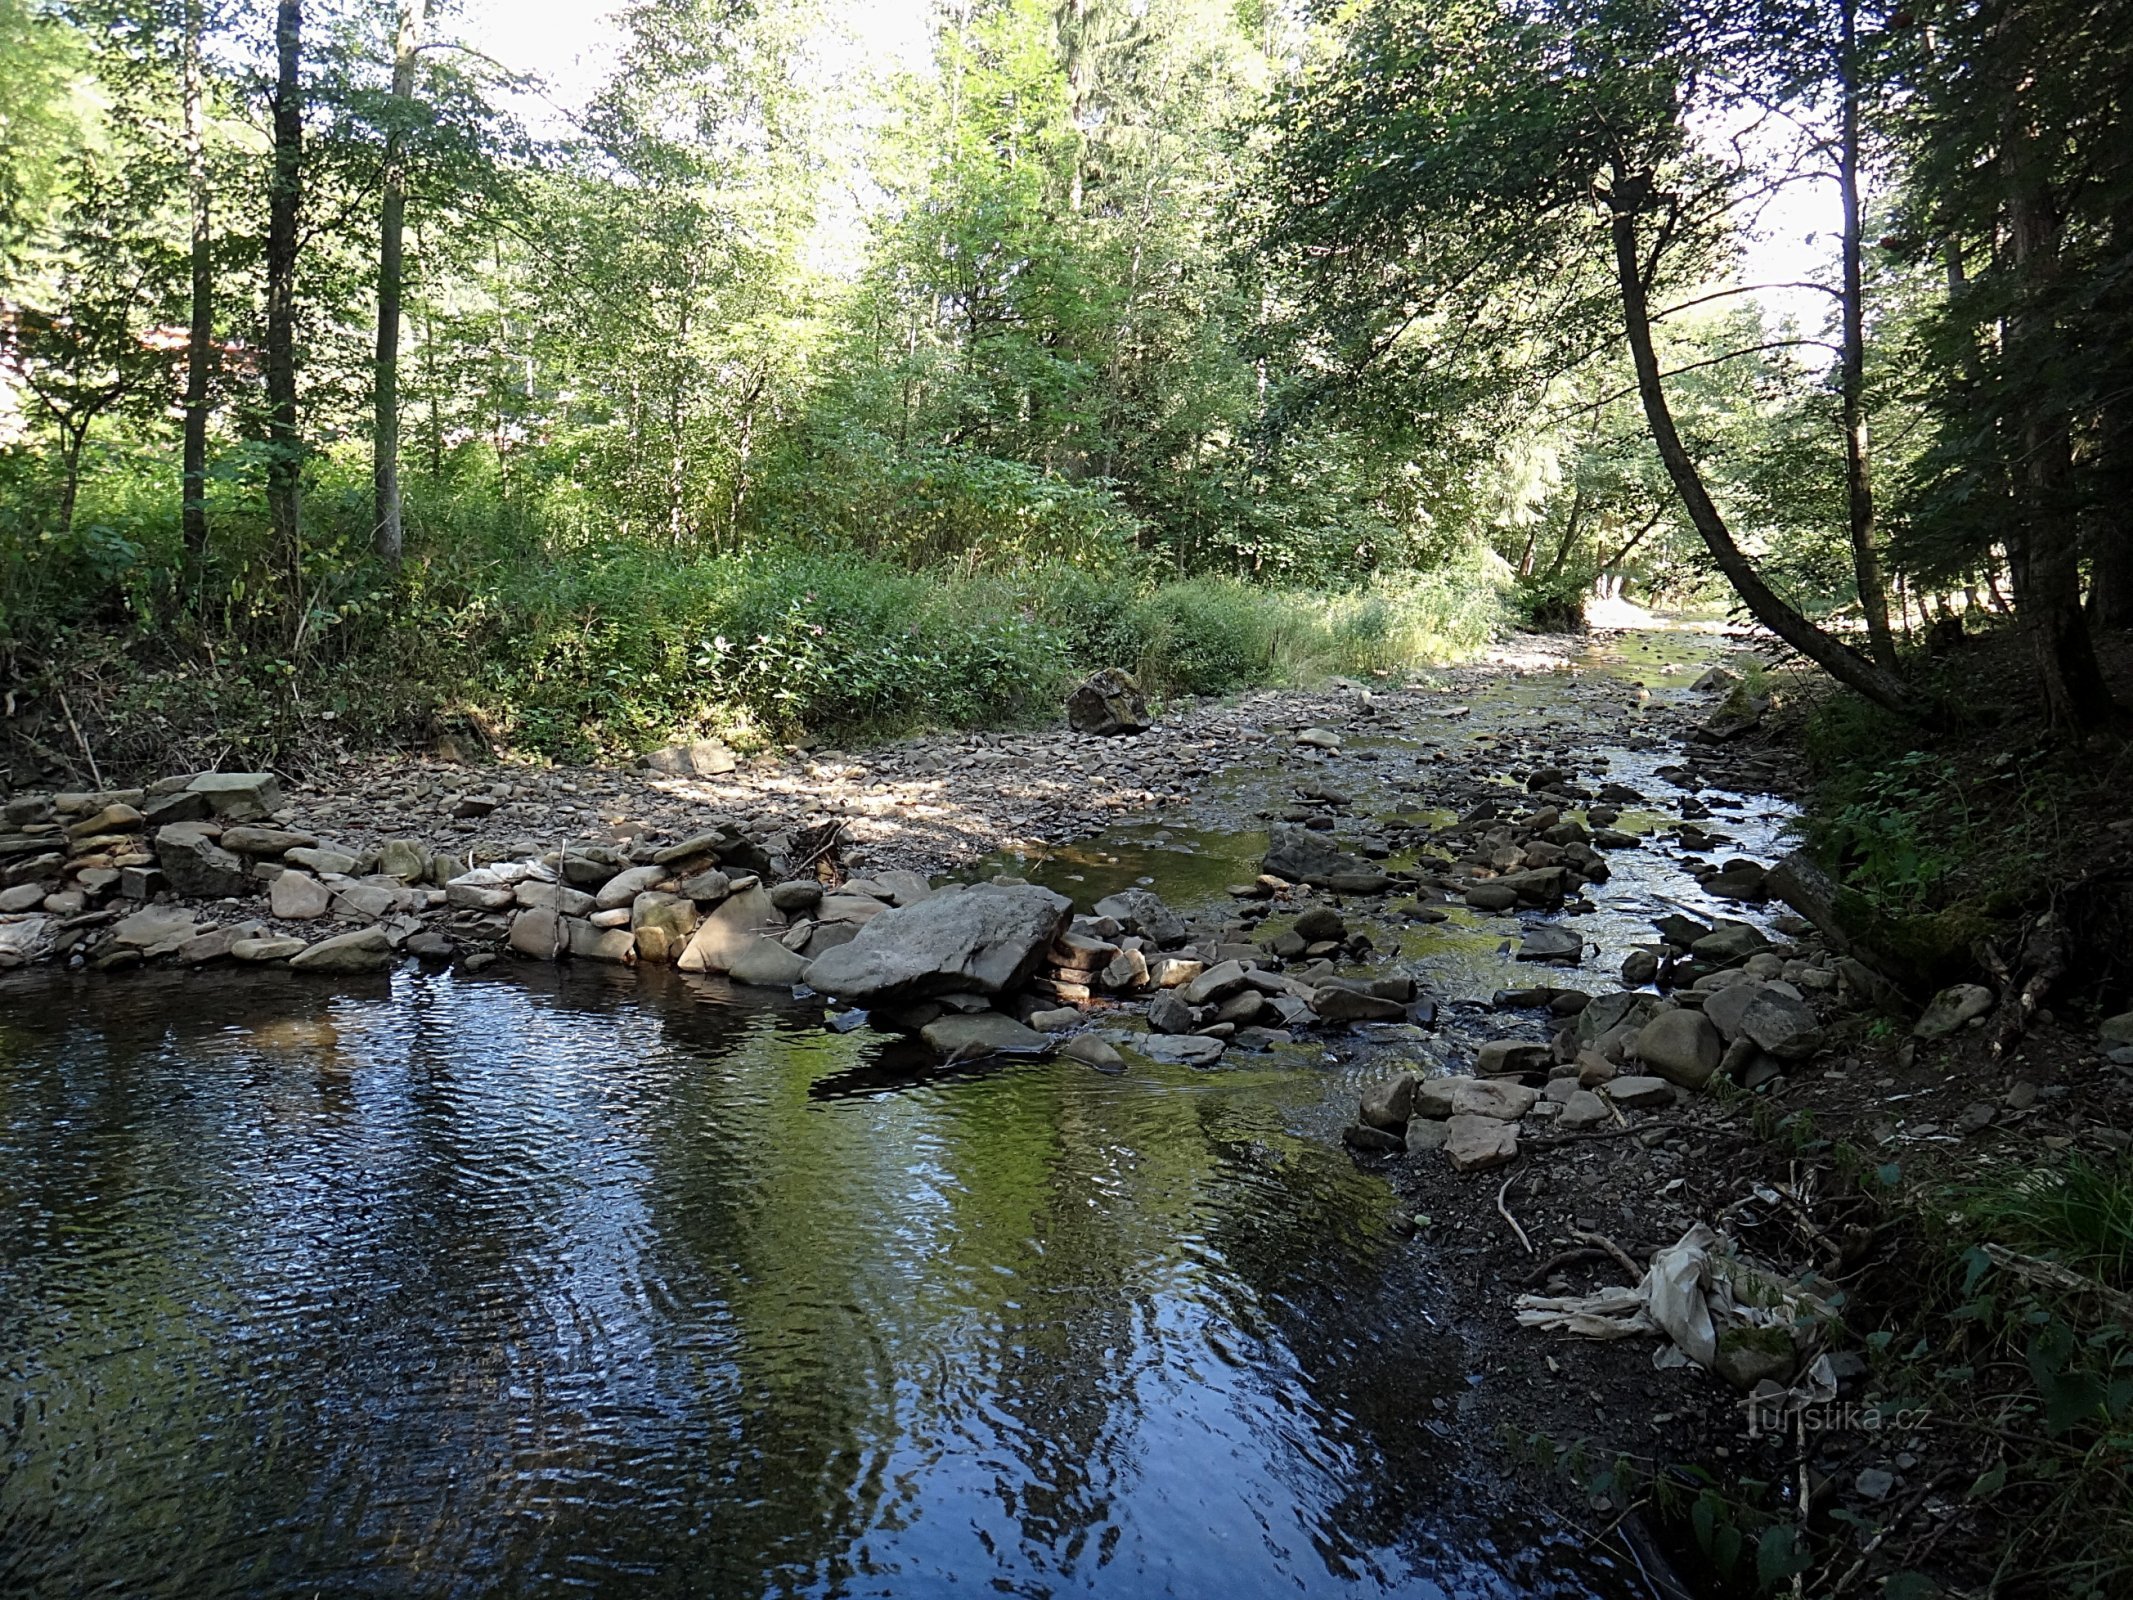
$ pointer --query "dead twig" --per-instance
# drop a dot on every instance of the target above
(1600, 1241)
(2051, 1275)
(1505, 1212)
(87, 754)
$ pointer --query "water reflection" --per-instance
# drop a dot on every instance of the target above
(584, 1285)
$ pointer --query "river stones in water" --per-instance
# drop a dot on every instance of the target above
(984, 1033)
(538, 932)
(261, 951)
(1512, 1058)
(1438, 1098)
(365, 950)
(1390, 1104)
(1639, 968)
(1565, 945)
(1370, 1141)
(1189, 1050)
(1300, 856)
(987, 939)
(1092, 1051)
(1343, 1002)
(765, 963)
(738, 919)
(1138, 911)
(1729, 941)
(625, 886)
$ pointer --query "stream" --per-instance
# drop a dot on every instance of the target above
(582, 1280)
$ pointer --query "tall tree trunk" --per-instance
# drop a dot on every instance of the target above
(200, 339)
(2111, 580)
(1626, 198)
(1858, 478)
(386, 536)
(2047, 571)
(285, 193)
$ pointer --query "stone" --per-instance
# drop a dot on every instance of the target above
(2118, 1030)
(1748, 1355)
(1438, 1098)
(1582, 1109)
(404, 859)
(559, 897)
(984, 1033)
(1341, 1002)
(22, 897)
(1782, 1024)
(1623, 1009)
(987, 939)
(738, 919)
(472, 894)
(1320, 924)
(154, 926)
(1390, 1104)
(1639, 968)
(1187, 1050)
(1737, 714)
(1681, 1047)
(1106, 704)
(111, 819)
(1172, 972)
(1218, 982)
(1949, 1010)
(180, 807)
(197, 866)
(625, 886)
(590, 943)
(766, 964)
(796, 897)
(239, 796)
(1727, 1004)
(857, 909)
(537, 932)
(374, 900)
(250, 839)
(318, 860)
(1551, 944)
(1729, 941)
(1092, 1051)
(297, 897)
(707, 888)
(662, 925)
(1476, 1143)
(1060, 1019)
(1512, 1058)
(1138, 911)
(1874, 1483)
(1301, 856)
(1319, 739)
(261, 951)
(1369, 1141)
(1168, 1013)
(1637, 1089)
(365, 950)
(904, 887)
(1491, 894)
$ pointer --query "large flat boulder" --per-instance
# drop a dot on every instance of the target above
(982, 940)
(1302, 856)
(238, 796)
(739, 920)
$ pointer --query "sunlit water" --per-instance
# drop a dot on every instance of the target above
(599, 1283)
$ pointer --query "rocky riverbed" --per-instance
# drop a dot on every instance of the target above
(1523, 916)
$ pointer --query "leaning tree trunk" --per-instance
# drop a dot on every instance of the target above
(200, 339)
(1858, 479)
(1626, 199)
(284, 201)
(386, 537)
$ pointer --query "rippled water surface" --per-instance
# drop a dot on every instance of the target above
(613, 1287)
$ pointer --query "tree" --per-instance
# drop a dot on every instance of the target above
(200, 337)
(385, 449)
(1448, 160)
(285, 193)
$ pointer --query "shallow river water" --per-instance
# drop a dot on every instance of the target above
(590, 1282)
